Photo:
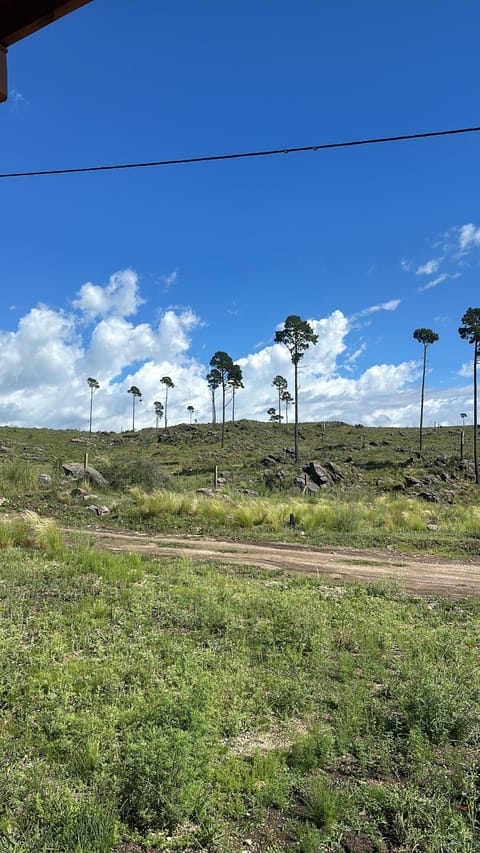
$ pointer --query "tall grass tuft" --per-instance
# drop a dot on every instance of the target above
(42, 533)
(17, 477)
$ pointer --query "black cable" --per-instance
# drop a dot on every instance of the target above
(238, 156)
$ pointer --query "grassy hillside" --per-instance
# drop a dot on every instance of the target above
(158, 705)
(383, 493)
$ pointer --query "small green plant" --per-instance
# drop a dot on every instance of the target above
(320, 802)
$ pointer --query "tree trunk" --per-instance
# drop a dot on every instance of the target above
(166, 405)
(223, 414)
(475, 454)
(233, 404)
(423, 394)
(91, 407)
(279, 406)
(133, 412)
(296, 411)
(214, 411)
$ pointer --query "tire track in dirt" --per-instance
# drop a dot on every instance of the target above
(424, 575)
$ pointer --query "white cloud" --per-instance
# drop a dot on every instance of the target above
(170, 279)
(429, 267)
(391, 305)
(406, 265)
(45, 362)
(436, 281)
(469, 236)
(120, 296)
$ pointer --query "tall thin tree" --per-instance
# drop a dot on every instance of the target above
(214, 380)
(190, 410)
(470, 331)
(165, 380)
(425, 337)
(287, 399)
(158, 411)
(136, 394)
(222, 362)
(235, 382)
(94, 386)
(281, 384)
(297, 335)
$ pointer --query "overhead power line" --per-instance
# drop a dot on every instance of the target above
(211, 158)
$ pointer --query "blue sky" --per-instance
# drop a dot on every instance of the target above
(128, 276)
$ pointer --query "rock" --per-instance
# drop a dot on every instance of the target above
(431, 497)
(221, 481)
(430, 479)
(44, 479)
(98, 510)
(272, 459)
(412, 481)
(250, 492)
(323, 475)
(209, 493)
(79, 472)
(311, 488)
(317, 473)
(334, 471)
(432, 526)
(77, 492)
(187, 471)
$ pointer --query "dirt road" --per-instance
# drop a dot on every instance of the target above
(418, 575)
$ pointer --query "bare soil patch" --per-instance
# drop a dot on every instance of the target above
(423, 575)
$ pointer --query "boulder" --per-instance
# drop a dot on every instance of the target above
(78, 471)
(323, 475)
(98, 510)
(431, 497)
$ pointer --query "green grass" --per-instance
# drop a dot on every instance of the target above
(127, 685)
(153, 477)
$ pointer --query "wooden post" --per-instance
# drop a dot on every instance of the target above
(85, 461)
(215, 476)
(462, 445)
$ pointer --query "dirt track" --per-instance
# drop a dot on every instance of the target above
(419, 575)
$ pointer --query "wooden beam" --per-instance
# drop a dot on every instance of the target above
(24, 19)
(3, 74)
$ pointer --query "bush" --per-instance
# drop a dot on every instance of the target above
(141, 472)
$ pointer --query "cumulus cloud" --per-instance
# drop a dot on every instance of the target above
(469, 236)
(45, 362)
(120, 296)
